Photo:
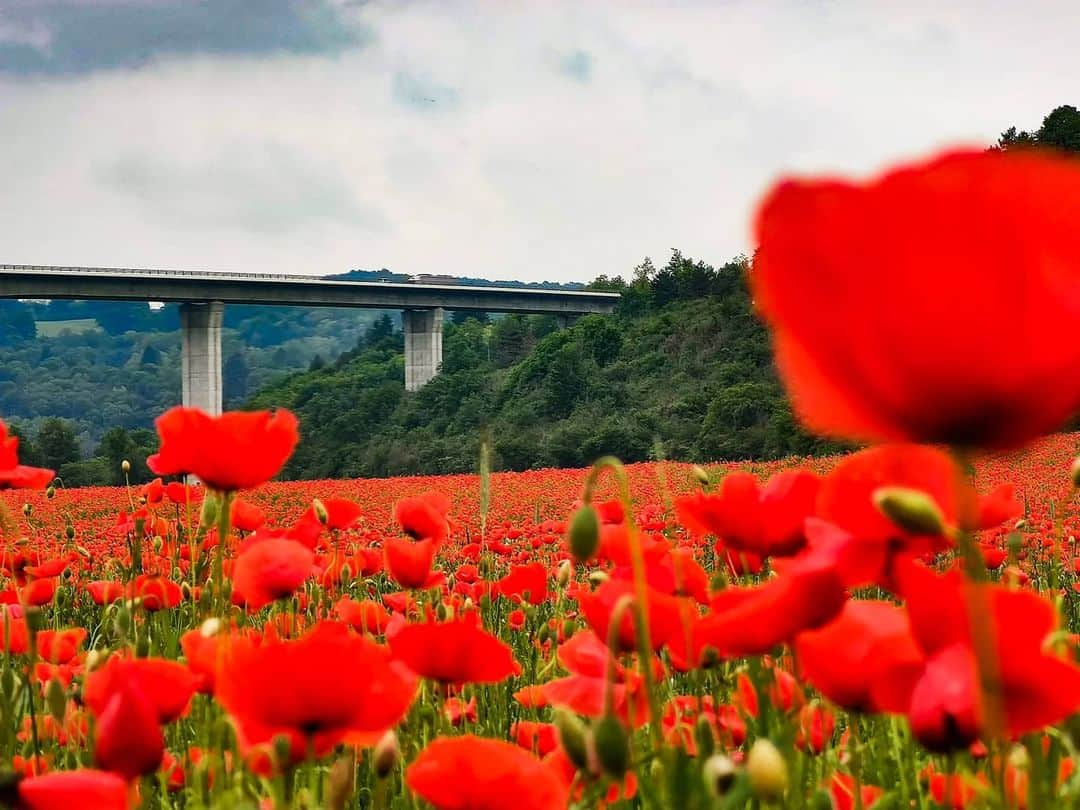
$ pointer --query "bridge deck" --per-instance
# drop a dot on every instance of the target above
(179, 286)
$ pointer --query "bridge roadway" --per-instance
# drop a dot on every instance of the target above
(202, 297)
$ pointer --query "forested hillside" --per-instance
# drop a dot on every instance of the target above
(682, 371)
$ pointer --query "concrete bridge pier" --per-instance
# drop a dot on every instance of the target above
(200, 354)
(423, 345)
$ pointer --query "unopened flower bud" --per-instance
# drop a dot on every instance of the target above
(612, 746)
(573, 736)
(598, 577)
(911, 510)
(767, 770)
(583, 535)
(209, 511)
(703, 736)
(125, 466)
(158, 543)
(568, 628)
(341, 782)
(56, 699)
(27, 510)
(719, 773)
(210, 628)
(1074, 472)
(1019, 758)
(386, 754)
(702, 475)
(69, 532)
(320, 511)
(566, 572)
(50, 492)
(282, 750)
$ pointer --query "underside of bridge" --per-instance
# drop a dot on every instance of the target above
(200, 328)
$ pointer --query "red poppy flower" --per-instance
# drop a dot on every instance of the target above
(271, 570)
(105, 592)
(846, 658)
(526, 581)
(63, 790)
(453, 652)
(167, 685)
(245, 516)
(584, 691)
(540, 738)
(877, 294)
(181, 493)
(237, 450)
(808, 593)
(128, 739)
(746, 517)
(14, 634)
(424, 517)
(341, 513)
(666, 615)
(943, 699)
(14, 475)
(326, 688)
(60, 646)
(842, 790)
(409, 561)
(846, 499)
(156, 592)
(367, 616)
(475, 773)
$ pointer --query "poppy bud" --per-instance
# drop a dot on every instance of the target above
(83, 552)
(573, 737)
(566, 571)
(703, 736)
(340, 783)
(210, 628)
(282, 750)
(209, 511)
(158, 542)
(1074, 472)
(27, 510)
(719, 772)
(568, 628)
(319, 508)
(584, 533)
(94, 659)
(69, 532)
(35, 619)
(1019, 758)
(125, 465)
(122, 622)
(50, 492)
(911, 510)
(767, 770)
(598, 577)
(142, 647)
(386, 754)
(56, 699)
(702, 476)
(1015, 542)
(612, 746)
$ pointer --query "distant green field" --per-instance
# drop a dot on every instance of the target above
(54, 328)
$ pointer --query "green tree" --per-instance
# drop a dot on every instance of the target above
(56, 443)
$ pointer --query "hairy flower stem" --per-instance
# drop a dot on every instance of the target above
(641, 593)
(218, 576)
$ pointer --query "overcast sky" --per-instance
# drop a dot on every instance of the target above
(527, 140)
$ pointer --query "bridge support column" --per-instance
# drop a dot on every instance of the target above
(200, 355)
(423, 345)
(566, 319)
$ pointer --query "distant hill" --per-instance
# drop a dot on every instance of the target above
(683, 370)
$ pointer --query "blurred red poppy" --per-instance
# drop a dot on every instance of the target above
(329, 687)
(237, 450)
(63, 790)
(877, 294)
(453, 652)
(475, 773)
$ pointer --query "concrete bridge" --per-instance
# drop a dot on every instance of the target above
(203, 295)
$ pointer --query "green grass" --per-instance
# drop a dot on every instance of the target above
(77, 326)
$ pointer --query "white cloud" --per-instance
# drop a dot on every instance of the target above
(548, 140)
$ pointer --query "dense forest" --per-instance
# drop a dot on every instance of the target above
(683, 370)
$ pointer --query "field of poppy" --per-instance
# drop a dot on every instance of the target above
(892, 628)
